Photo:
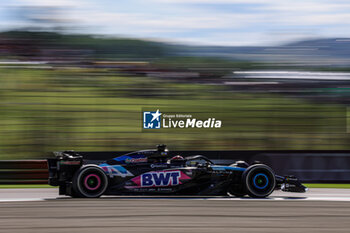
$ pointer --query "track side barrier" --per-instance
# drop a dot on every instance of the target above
(23, 172)
(308, 166)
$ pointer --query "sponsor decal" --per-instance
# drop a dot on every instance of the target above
(159, 179)
(136, 160)
(150, 190)
(158, 165)
(70, 162)
(222, 172)
(165, 189)
(156, 179)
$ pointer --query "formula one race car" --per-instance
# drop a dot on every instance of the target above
(150, 172)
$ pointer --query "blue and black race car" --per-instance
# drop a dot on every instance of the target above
(154, 172)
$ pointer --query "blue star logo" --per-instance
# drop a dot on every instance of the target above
(152, 120)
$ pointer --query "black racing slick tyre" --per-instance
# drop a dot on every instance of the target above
(90, 181)
(259, 181)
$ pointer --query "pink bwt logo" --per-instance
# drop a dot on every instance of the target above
(160, 179)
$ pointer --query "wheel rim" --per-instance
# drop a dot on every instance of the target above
(260, 181)
(92, 182)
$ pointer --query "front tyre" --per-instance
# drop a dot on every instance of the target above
(259, 181)
(90, 181)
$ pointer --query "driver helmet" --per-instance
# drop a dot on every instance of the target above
(162, 150)
(177, 158)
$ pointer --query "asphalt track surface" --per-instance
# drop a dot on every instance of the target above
(41, 210)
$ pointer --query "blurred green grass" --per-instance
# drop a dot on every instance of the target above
(339, 186)
(100, 110)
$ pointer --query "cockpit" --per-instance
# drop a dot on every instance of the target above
(159, 155)
(198, 161)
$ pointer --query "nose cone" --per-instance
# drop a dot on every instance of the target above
(305, 188)
(293, 185)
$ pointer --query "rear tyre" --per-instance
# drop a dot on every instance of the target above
(259, 181)
(90, 181)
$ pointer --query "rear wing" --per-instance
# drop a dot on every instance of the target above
(69, 154)
(63, 166)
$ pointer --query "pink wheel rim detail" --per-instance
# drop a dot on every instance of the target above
(98, 182)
